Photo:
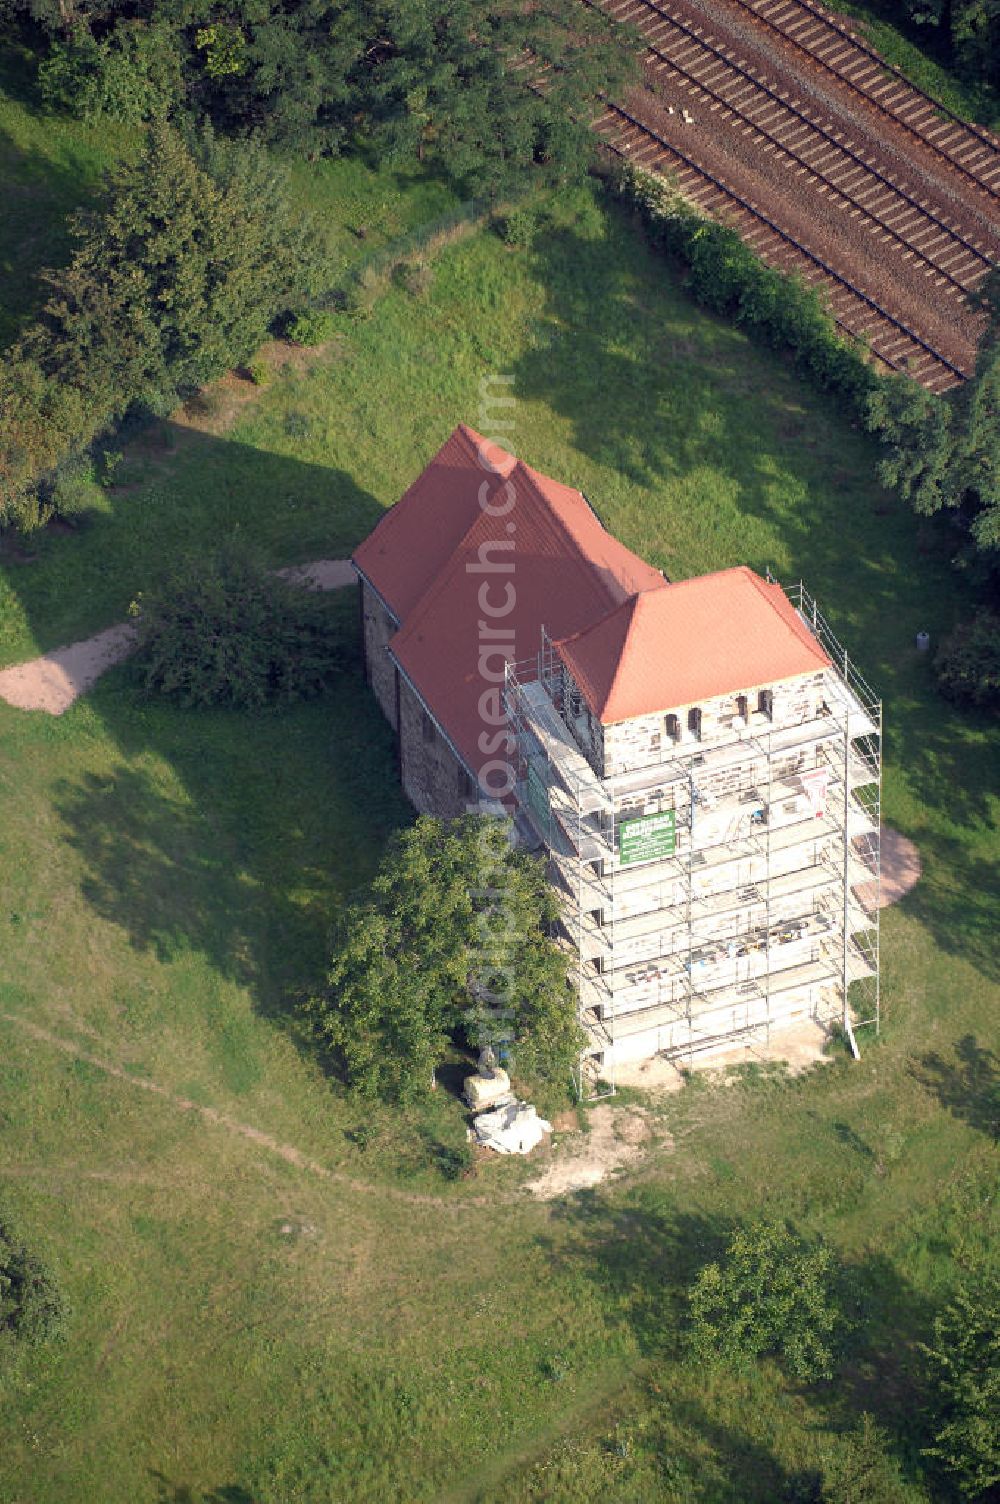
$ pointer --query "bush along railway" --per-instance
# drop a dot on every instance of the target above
(813, 180)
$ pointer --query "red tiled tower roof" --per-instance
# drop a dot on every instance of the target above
(713, 635)
(417, 536)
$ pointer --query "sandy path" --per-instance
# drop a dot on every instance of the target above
(900, 867)
(256, 1136)
(321, 574)
(52, 682)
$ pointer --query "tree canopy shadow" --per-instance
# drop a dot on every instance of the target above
(234, 834)
(40, 191)
(645, 1254)
(968, 1087)
(169, 1491)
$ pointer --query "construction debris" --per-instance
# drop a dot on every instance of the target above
(514, 1129)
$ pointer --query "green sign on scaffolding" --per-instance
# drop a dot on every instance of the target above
(648, 837)
(538, 798)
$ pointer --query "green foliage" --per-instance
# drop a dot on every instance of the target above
(313, 326)
(968, 662)
(726, 276)
(452, 936)
(224, 48)
(223, 631)
(446, 81)
(516, 229)
(963, 1364)
(917, 434)
(771, 1295)
(194, 254)
(32, 1307)
(260, 372)
(75, 490)
(449, 82)
(943, 452)
(134, 74)
(857, 1468)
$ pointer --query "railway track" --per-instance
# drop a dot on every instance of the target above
(893, 342)
(972, 151)
(709, 72)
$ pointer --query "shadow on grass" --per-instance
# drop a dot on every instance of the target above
(645, 1255)
(234, 835)
(168, 1491)
(231, 835)
(968, 1087)
(751, 1472)
(179, 491)
(40, 191)
(665, 400)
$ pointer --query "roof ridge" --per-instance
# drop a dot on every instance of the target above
(631, 605)
(424, 602)
(534, 476)
(478, 443)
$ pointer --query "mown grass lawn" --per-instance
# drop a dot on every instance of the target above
(169, 879)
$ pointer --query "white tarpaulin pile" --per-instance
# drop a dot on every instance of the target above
(515, 1129)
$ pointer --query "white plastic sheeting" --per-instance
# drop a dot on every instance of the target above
(516, 1129)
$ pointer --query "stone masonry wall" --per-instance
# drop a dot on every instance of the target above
(380, 671)
(433, 778)
(644, 741)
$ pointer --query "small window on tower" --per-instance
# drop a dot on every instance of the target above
(741, 707)
(765, 703)
(673, 728)
(694, 722)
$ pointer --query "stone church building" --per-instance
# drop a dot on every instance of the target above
(699, 761)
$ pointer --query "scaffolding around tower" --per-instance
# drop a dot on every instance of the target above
(725, 885)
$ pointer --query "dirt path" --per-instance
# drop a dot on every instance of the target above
(900, 866)
(256, 1136)
(616, 1139)
(52, 682)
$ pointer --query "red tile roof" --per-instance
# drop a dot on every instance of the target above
(566, 573)
(716, 634)
(416, 537)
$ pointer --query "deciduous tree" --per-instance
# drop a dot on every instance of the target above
(450, 938)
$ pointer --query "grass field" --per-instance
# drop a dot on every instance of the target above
(250, 1327)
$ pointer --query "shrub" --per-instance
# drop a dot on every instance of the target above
(134, 74)
(770, 1295)
(858, 1468)
(415, 277)
(223, 631)
(314, 326)
(968, 662)
(75, 491)
(259, 372)
(32, 1307)
(515, 229)
(963, 1362)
